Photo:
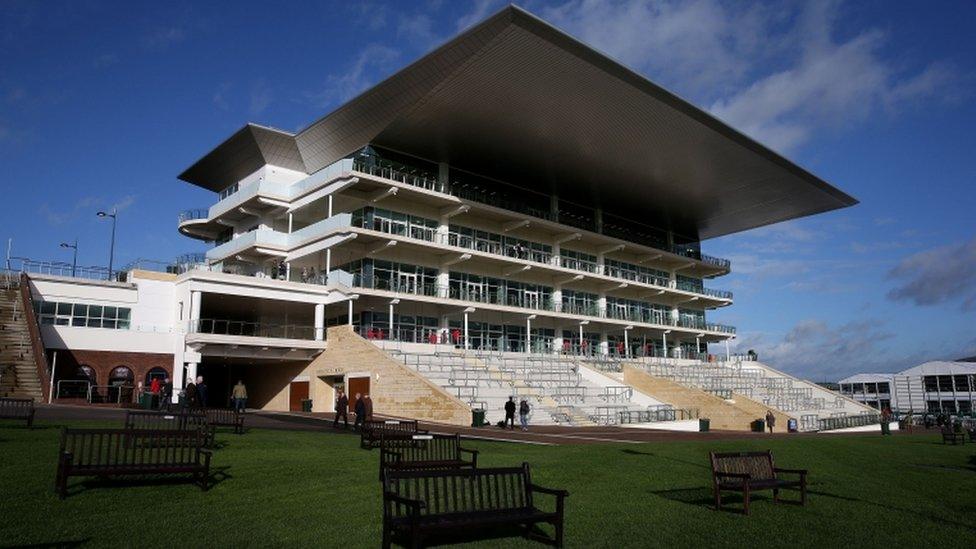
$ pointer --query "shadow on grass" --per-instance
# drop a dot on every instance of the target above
(54, 544)
(217, 476)
(890, 507)
(470, 534)
(651, 454)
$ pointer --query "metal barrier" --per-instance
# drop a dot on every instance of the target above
(845, 422)
(72, 388)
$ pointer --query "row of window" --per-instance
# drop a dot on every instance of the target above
(870, 388)
(61, 313)
(392, 222)
(947, 384)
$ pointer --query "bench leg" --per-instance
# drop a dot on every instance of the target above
(775, 495)
(718, 499)
(559, 532)
(803, 491)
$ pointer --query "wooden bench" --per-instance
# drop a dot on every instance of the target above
(17, 408)
(467, 503)
(424, 453)
(747, 472)
(117, 452)
(146, 420)
(951, 436)
(226, 417)
(373, 430)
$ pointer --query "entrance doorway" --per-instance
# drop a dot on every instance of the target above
(297, 392)
(356, 385)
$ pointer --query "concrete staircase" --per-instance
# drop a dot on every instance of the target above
(18, 374)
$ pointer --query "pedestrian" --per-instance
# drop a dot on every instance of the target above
(341, 409)
(166, 394)
(368, 407)
(201, 392)
(311, 275)
(770, 420)
(305, 274)
(524, 410)
(282, 271)
(359, 407)
(190, 394)
(239, 394)
(155, 386)
(510, 413)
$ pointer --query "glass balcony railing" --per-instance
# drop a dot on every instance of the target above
(416, 177)
(192, 214)
(722, 328)
(250, 329)
(228, 191)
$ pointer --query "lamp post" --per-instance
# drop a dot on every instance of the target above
(111, 251)
(74, 258)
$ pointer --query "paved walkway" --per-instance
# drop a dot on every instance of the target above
(547, 434)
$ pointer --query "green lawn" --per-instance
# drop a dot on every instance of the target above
(289, 488)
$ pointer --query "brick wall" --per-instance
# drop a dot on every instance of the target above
(103, 362)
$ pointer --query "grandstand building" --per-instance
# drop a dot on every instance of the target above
(512, 214)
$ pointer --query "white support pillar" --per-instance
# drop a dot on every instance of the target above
(627, 329)
(528, 333)
(191, 373)
(664, 342)
(319, 321)
(195, 297)
(290, 222)
(350, 312)
(328, 264)
(604, 343)
(287, 270)
(466, 345)
(698, 344)
(330, 206)
(392, 303)
(728, 353)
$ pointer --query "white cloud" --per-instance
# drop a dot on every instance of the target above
(939, 275)
(261, 96)
(480, 10)
(375, 58)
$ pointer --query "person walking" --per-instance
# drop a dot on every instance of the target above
(166, 394)
(524, 410)
(155, 386)
(201, 392)
(359, 407)
(368, 407)
(239, 394)
(190, 394)
(341, 410)
(770, 420)
(510, 413)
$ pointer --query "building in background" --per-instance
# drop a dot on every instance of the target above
(936, 387)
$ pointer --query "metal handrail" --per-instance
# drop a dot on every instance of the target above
(193, 214)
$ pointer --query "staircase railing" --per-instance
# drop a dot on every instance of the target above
(37, 344)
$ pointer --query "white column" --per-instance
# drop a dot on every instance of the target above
(350, 312)
(466, 330)
(580, 345)
(557, 298)
(392, 303)
(319, 321)
(330, 206)
(664, 340)
(728, 354)
(604, 343)
(290, 221)
(177, 378)
(191, 372)
(698, 344)
(328, 264)
(626, 343)
(288, 270)
(195, 297)
(601, 305)
(528, 333)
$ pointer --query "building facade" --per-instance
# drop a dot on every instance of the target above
(935, 387)
(512, 193)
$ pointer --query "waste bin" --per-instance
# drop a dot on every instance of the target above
(758, 426)
(703, 424)
(885, 428)
(306, 405)
(477, 418)
(791, 425)
(146, 401)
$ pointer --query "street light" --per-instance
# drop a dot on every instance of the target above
(111, 251)
(74, 259)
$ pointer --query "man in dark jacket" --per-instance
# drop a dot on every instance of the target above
(510, 413)
(201, 392)
(341, 409)
(166, 395)
(360, 408)
(368, 407)
(190, 393)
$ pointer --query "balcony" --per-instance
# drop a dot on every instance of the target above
(417, 177)
(239, 328)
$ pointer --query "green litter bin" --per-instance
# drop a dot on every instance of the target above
(759, 426)
(477, 418)
(146, 401)
(703, 424)
(307, 405)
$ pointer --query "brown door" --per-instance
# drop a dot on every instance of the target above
(356, 385)
(297, 392)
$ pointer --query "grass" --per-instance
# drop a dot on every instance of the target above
(278, 488)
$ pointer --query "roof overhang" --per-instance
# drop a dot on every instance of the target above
(242, 154)
(515, 99)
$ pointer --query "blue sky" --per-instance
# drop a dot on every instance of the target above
(103, 103)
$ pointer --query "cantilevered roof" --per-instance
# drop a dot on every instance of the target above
(241, 154)
(516, 99)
